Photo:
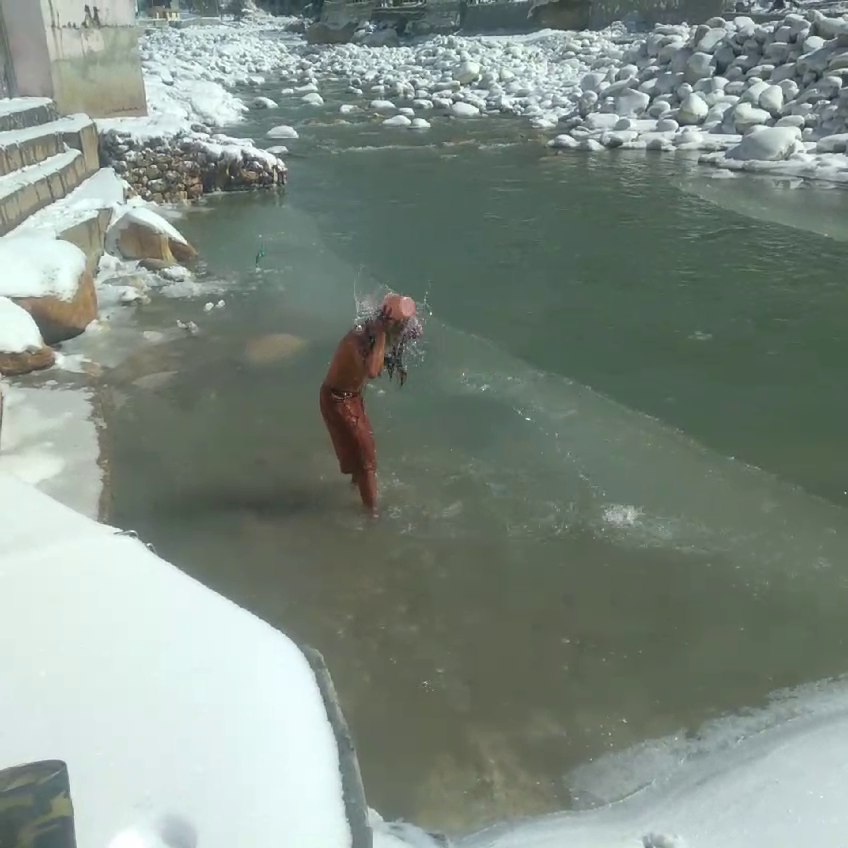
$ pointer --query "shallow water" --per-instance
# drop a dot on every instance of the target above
(555, 574)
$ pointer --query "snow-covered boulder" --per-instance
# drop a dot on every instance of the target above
(142, 234)
(49, 278)
(21, 347)
(767, 144)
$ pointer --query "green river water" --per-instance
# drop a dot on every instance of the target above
(578, 549)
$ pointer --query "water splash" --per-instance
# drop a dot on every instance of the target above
(368, 303)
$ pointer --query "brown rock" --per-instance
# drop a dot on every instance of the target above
(272, 348)
(15, 364)
(156, 264)
(60, 320)
(183, 251)
(138, 242)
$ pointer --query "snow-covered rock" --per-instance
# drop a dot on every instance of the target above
(767, 144)
(464, 110)
(282, 131)
(467, 72)
(398, 121)
(693, 110)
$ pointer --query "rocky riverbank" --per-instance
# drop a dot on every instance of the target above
(187, 165)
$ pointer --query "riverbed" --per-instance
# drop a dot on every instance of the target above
(613, 488)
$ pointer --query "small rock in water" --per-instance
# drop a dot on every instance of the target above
(397, 121)
(313, 99)
(278, 150)
(348, 108)
(564, 142)
(263, 103)
(464, 110)
(383, 106)
(175, 273)
(272, 348)
(282, 131)
(189, 326)
(420, 124)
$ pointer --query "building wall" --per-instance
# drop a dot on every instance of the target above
(27, 41)
(83, 55)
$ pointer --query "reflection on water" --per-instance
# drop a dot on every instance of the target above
(553, 576)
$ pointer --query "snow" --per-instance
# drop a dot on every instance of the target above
(724, 78)
(776, 777)
(40, 266)
(49, 440)
(143, 217)
(174, 709)
(31, 174)
(187, 94)
(73, 123)
(103, 190)
(18, 331)
(20, 104)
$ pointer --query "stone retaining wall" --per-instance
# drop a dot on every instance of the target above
(166, 170)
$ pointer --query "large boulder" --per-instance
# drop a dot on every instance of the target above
(767, 144)
(142, 234)
(22, 348)
(50, 279)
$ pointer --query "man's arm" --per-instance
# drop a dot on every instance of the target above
(374, 362)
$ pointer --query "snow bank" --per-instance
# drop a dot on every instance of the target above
(18, 331)
(757, 788)
(171, 705)
(187, 73)
(40, 266)
(717, 86)
(104, 190)
(49, 440)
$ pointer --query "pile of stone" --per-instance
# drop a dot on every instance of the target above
(771, 91)
(186, 166)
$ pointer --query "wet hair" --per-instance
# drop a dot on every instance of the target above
(394, 361)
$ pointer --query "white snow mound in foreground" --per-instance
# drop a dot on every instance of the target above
(168, 702)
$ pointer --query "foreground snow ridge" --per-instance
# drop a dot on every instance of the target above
(170, 705)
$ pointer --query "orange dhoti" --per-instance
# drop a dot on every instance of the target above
(353, 439)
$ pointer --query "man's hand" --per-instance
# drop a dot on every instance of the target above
(384, 319)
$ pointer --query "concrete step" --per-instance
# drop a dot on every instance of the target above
(21, 112)
(32, 188)
(82, 217)
(31, 145)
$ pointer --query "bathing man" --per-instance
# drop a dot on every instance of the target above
(361, 356)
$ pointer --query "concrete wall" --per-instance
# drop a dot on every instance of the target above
(490, 17)
(649, 12)
(584, 14)
(27, 41)
(83, 55)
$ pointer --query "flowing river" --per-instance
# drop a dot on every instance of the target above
(614, 486)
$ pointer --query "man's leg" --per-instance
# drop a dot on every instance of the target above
(366, 473)
(367, 482)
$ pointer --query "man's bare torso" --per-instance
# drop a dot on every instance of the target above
(348, 371)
